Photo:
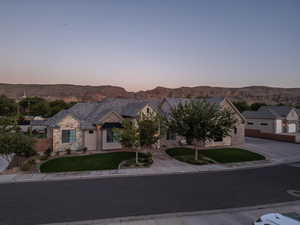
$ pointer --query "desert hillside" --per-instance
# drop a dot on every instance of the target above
(270, 95)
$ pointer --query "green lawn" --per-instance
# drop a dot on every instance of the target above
(221, 155)
(105, 161)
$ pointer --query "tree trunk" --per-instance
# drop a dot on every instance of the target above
(196, 153)
(136, 157)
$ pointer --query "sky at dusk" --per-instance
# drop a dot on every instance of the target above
(139, 44)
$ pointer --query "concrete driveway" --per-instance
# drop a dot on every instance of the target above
(274, 150)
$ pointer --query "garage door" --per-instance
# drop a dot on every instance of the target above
(292, 128)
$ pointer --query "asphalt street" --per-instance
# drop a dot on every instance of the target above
(63, 201)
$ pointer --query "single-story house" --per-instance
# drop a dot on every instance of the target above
(298, 112)
(35, 123)
(38, 125)
(90, 125)
(273, 119)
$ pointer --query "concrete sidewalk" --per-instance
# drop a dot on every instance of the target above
(235, 216)
(159, 167)
(276, 153)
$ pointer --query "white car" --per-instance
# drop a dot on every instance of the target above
(279, 219)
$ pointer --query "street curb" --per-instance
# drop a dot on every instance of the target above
(180, 214)
(116, 175)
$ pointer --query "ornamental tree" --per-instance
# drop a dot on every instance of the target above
(14, 142)
(140, 134)
(199, 122)
(128, 136)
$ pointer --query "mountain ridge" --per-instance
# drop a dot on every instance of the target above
(72, 92)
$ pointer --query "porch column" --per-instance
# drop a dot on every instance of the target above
(98, 138)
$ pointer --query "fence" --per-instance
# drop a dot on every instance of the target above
(277, 137)
(42, 144)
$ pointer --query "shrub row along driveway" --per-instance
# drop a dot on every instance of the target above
(223, 155)
(104, 161)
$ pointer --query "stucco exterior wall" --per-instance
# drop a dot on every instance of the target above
(293, 115)
(238, 137)
(226, 142)
(68, 123)
(164, 143)
(269, 128)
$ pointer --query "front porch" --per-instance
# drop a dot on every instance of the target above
(102, 138)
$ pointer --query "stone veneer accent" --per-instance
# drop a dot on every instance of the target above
(68, 123)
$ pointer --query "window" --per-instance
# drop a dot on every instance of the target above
(218, 139)
(148, 110)
(171, 135)
(109, 135)
(264, 124)
(250, 123)
(91, 131)
(235, 130)
(68, 136)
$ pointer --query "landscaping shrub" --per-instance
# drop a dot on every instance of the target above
(44, 157)
(48, 152)
(28, 165)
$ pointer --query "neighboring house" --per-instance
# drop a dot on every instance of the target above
(273, 119)
(35, 123)
(91, 125)
(38, 125)
(298, 112)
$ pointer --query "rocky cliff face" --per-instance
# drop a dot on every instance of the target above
(251, 94)
(69, 93)
(65, 92)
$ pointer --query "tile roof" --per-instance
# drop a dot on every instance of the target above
(260, 115)
(175, 101)
(90, 113)
(280, 110)
(37, 122)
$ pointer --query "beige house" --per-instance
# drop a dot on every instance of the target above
(91, 125)
(273, 119)
(237, 136)
(298, 113)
